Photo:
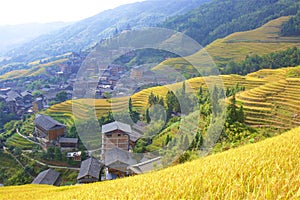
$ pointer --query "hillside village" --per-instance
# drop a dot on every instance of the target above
(113, 80)
(116, 161)
(220, 122)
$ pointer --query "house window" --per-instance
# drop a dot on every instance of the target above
(108, 135)
(119, 135)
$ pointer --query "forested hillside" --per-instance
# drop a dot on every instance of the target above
(220, 18)
(246, 52)
(275, 60)
(292, 27)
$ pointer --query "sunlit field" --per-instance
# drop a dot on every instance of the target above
(265, 170)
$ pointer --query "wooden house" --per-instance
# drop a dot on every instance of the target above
(118, 135)
(68, 143)
(47, 127)
(115, 135)
(117, 162)
(27, 97)
(48, 177)
(38, 105)
(89, 171)
(136, 73)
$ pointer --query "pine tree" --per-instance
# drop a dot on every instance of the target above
(161, 101)
(168, 139)
(183, 89)
(241, 115)
(215, 100)
(151, 99)
(148, 119)
(130, 105)
(232, 115)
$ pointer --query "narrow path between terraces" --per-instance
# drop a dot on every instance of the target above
(50, 166)
(25, 137)
(37, 161)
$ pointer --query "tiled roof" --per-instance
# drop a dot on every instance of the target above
(134, 136)
(113, 155)
(46, 122)
(89, 167)
(68, 140)
(146, 166)
(13, 95)
(26, 93)
(48, 177)
(116, 126)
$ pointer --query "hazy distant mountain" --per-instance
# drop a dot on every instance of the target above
(84, 33)
(12, 36)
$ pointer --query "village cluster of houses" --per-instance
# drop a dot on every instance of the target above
(116, 160)
(21, 103)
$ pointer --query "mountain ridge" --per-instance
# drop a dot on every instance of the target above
(12, 36)
(89, 31)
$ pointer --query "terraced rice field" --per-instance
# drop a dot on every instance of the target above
(276, 103)
(83, 108)
(271, 98)
(17, 141)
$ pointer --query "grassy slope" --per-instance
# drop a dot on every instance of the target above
(265, 170)
(237, 46)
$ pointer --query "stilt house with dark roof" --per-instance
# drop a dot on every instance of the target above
(89, 171)
(48, 128)
(68, 143)
(48, 177)
(117, 162)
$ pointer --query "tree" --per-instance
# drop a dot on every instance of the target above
(6, 118)
(215, 100)
(130, 105)
(61, 96)
(135, 116)
(232, 115)
(161, 101)
(50, 153)
(37, 93)
(83, 155)
(168, 139)
(183, 89)
(151, 99)
(17, 151)
(147, 115)
(57, 154)
(241, 115)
